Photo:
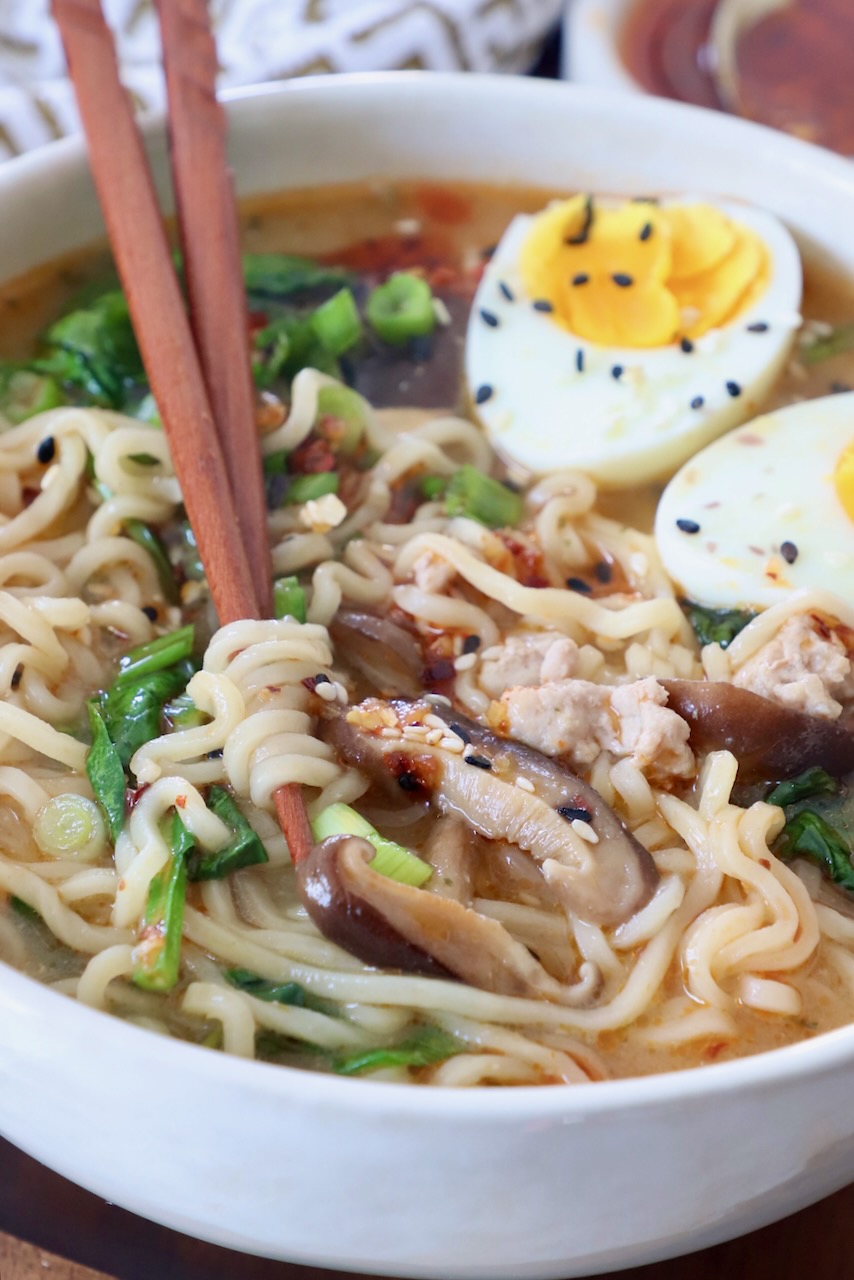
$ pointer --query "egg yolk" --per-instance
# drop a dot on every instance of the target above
(641, 275)
(843, 478)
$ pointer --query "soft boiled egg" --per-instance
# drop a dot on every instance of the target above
(766, 509)
(619, 338)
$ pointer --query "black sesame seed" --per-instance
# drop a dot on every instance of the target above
(583, 234)
(471, 644)
(734, 389)
(543, 304)
(688, 526)
(603, 571)
(46, 450)
(479, 762)
(421, 347)
(839, 388)
(579, 359)
(575, 813)
(460, 732)
(488, 252)
(489, 317)
(216, 754)
(645, 231)
(512, 486)
(150, 612)
(581, 278)
(320, 678)
(617, 372)
(408, 782)
(578, 584)
(697, 402)
(759, 326)
(17, 677)
(483, 394)
(623, 279)
(506, 291)
(687, 345)
(789, 552)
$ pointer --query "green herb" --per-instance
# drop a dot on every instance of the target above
(401, 308)
(24, 393)
(337, 323)
(836, 343)
(95, 350)
(105, 773)
(290, 993)
(157, 654)
(182, 713)
(24, 910)
(433, 487)
(390, 859)
(472, 494)
(716, 626)
(244, 850)
(427, 1046)
(808, 835)
(275, 464)
(144, 536)
(347, 408)
(157, 956)
(278, 275)
(189, 558)
(307, 488)
(289, 599)
(287, 345)
(812, 782)
(132, 709)
(144, 459)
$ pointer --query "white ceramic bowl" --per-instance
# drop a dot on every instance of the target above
(422, 1182)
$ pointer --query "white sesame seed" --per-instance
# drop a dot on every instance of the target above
(584, 830)
(49, 476)
(434, 736)
(390, 733)
(524, 784)
(442, 314)
(452, 744)
(494, 651)
(407, 226)
(341, 694)
(438, 699)
(435, 722)
(466, 662)
(326, 691)
(415, 732)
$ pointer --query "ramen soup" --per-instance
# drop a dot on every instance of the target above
(560, 493)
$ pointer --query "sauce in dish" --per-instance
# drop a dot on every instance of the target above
(562, 654)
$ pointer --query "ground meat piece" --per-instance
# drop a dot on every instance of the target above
(530, 658)
(803, 667)
(432, 573)
(578, 719)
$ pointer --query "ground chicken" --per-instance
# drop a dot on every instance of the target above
(803, 667)
(531, 658)
(432, 573)
(577, 719)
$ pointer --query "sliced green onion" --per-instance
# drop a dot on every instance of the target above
(348, 408)
(836, 343)
(144, 536)
(812, 782)
(106, 774)
(472, 494)
(182, 713)
(157, 955)
(275, 464)
(427, 1046)
(433, 487)
(157, 654)
(307, 488)
(289, 599)
(70, 826)
(24, 394)
(337, 323)
(244, 850)
(390, 859)
(401, 308)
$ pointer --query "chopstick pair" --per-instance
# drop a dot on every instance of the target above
(198, 366)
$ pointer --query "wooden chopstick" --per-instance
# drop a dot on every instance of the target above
(141, 251)
(210, 241)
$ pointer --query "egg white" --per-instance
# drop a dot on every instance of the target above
(768, 483)
(545, 414)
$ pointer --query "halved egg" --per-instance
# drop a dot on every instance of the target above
(767, 509)
(620, 338)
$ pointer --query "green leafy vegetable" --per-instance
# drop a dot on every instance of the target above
(289, 599)
(390, 859)
(94, 349)
(337, 323)
(472, 494)
(157, 955)
(106, 773)
(427, 1046)
(433, 487)
(132, 710)
(275, 464)
(156, 655)
(278, 275)
(144, 536)
(278, 992)
(836, 343)
(716, 626)
(401, 308)
(24, 393)
(808, 835)
(24, 910)
(812, 782)
(244, 850)
(182, 713)
(306, 488)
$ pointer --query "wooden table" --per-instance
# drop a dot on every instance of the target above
(51, 1230)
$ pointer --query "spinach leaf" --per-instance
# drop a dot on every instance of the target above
(278, 275)
(812, 782)
(95, 350)
(131, 710)
(157, 956)
(713, 626)
(105, 771)
(244, 850)
(422, 1049)
(278, 992)
(145, 537)
(808, 835)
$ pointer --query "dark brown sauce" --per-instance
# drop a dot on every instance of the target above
(795, 66)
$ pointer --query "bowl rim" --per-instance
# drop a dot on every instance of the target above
(107, 1033)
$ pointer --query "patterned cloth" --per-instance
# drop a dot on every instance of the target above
(262, 40)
